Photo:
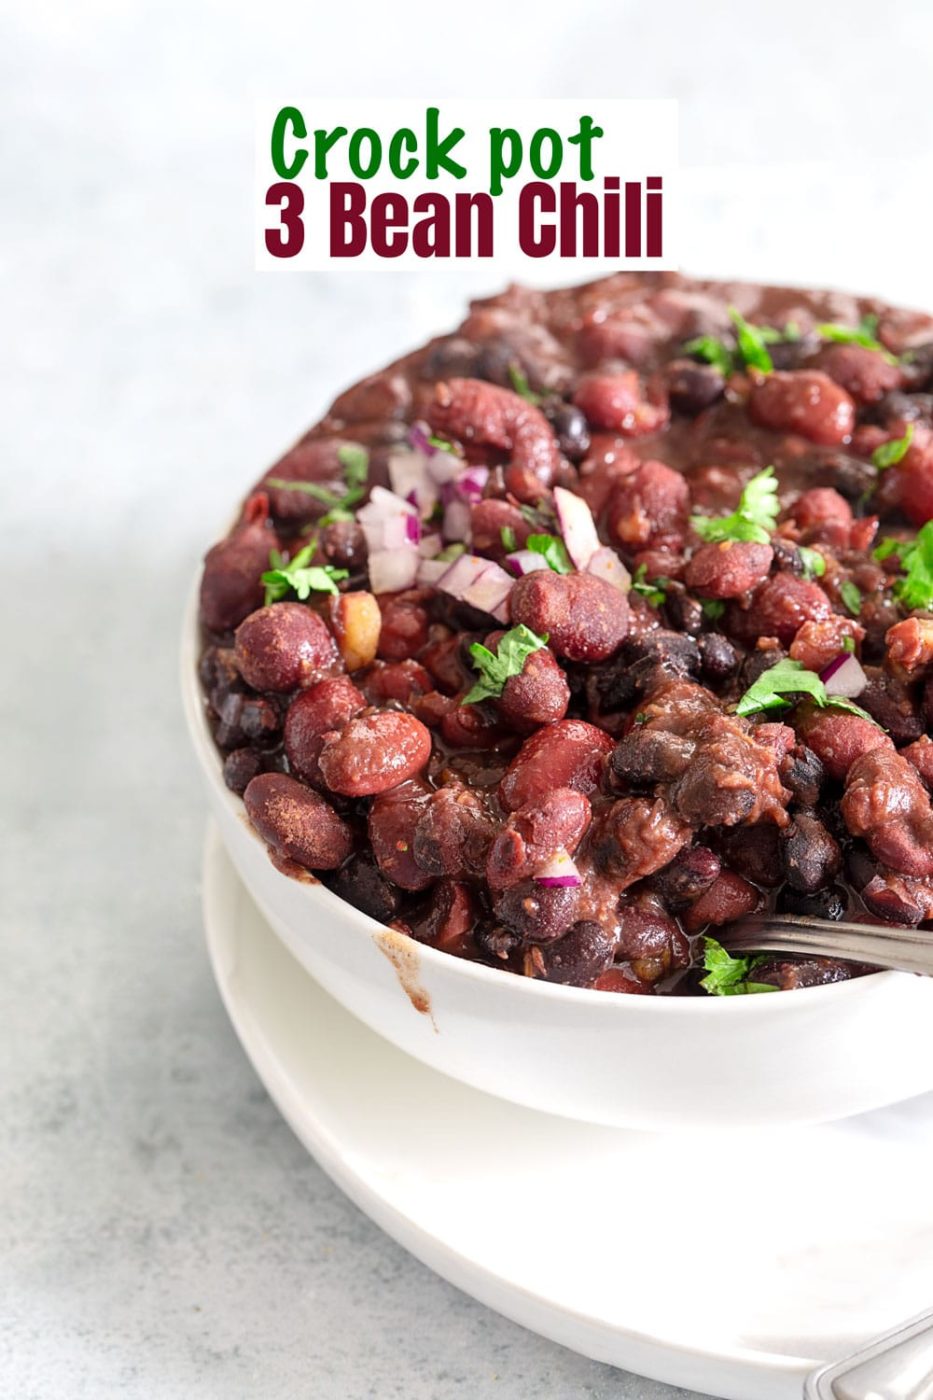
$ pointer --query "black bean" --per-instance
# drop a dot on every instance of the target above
(803, 773)
(719, 659)
(579, 957)
(688, 876)
(787, 557)
(692, 386)
(811, 854)
(454, 357)
(790, 354)
(240, 768)
(538, 913)
(361, 884)
(570, 427)
(682, 611)
(827, 903)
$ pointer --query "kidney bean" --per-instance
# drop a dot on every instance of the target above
(693, 387)
(910, 647)
(402, 681)
(537, 913)
(471, 726)
(313, 460)
(283, 647)
(374, 753)
(584, 618)
(729, 569)
(811, 854)
(444, 660)
(356, 622)
(448, 924)
(684, 879)
(393, 821)
(569, 754)
(361, 883)
(637, 836)
(820, 506)
(807, 402)
(539, 695)
(296, 822)
(230, 584)
(579, 957)
(920, 754)
(386, 394)
(886, 803)
(728, 897)
(828, 902)
(474, 412)
(535, 833)
(912, 479)
(779, 607)
(404, 626)
(453, 833)
(240, 767)
(608, 462)
(488, 518)
(899, 899)
(622, 979)
(865, 374)
(816, 644)
(327, 706)
(650, 508)
(618, 402)
(838, 738)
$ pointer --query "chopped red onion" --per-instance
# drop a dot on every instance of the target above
(431, 571)
(470, 484)
(558, 870)
(525, 561)
(576, 526)
(457, 521)
(413, 529)
(844, 676)
(384, 520)
(410, 479)
(462, 573)
(419, 438)
(490, 592)
(444, 467)
(391, 570)
(607, 565)
(430, 546)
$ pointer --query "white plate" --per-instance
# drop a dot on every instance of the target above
(727, 1262)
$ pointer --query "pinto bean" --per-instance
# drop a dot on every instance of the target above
(296, 822)
(474, 412)
(837, 737)
(729, 569)
(728, 897)
(865, 374)
(283, 647)
(618, 403)
(649, 508)
(374, 753)
(539, 695)
(230, 584)
(816, 644)
(327, 706)
(910, 647)
(807, 402)
(886, 803)
(569, 754)
(584, 618)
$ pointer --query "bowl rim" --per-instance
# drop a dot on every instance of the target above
(210, 762)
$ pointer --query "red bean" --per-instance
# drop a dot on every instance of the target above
(838, 738)
(403, 681)
(570, 754)
(866, 374)
(539, 695)
(913, 477)
(649, 509)
(729, 569)
(535, 833)
(374, 753)
(816, 644)
(584, 618)
(296, 822)
(779, 607)
(393, 820)
(637, 836)
(728, 897)
(284, 646)
(312, 714)
(821, 505)
(473, 411)
(230, 585)
(807, 402)
(404, 627)
(618, 403)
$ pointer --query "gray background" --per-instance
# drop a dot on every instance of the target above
(162, 1232)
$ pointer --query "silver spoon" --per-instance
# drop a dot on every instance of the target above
(896, 1366)
(887, 945)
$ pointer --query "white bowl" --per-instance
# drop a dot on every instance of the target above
(628, 1061)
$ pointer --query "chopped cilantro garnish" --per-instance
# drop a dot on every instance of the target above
(848, 644)
(520, 384)
(299, 576)
(451, 552)
(788, 677)
(442, 444)
(507, 536)
(862, 334)
(553, 550)
(915, 589)
(712, 608)
(850, 594)
(509, 660)
(753, 519)
(727, 976)
(653, 592)
(712, 351)
(752, 342)
(814, 565)
(355, 462)
(888, 453)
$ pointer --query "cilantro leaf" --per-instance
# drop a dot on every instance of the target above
(509, 660)
(848, 644)
(888, 453)
(653, 591)
(753, 519)
(915, 589)
(299, 576)
(712, 352)
(814, 565)
(355, 462)
(507, 536)
(850, 594)
(712, 608)
(727, 976)
(788, 677)
(752, 342)
(553, 550)
(862, 334)
(520, 384)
